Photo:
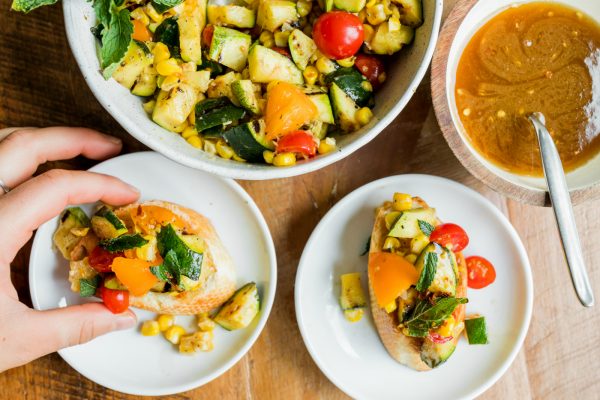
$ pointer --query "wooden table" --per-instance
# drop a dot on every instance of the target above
(40, 85)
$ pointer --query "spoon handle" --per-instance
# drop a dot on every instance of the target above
(563, 210)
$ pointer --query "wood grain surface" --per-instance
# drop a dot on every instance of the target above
(40, 85)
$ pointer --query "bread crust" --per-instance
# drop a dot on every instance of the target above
(217, 274)
(405, 349)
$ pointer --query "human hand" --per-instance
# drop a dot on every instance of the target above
(26, 334)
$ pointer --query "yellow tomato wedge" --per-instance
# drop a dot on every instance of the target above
(390, 275)
(288, 108)
(149, 218)
(135, 274)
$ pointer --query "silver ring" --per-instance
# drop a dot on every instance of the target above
(3, 186)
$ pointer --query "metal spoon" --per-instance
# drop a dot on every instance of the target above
(563, 210)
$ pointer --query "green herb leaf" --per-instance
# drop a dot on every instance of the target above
(123, 242)
(168, 271)
(426, 315)
(367, 246)
(28, 5)
(87, 287)
(167, 3)
(102, 11)
(426, 227)
(428, 273)
(116, 38)
(188, 261)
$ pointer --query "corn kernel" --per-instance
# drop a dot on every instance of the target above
(284, 160)
(354, 314)
(174, 334)
(268, 155)
(391, 243)
(371, 3)
(391, 218)
(304, 7)
(140, 15)
(152, 26)
(447, 328)
(391, 307)
(195, 141)
(186, 345)
(394, 24)
(266, 39)
(237, 158)
(223, 150)
(364, 116)
(150, 328)
(418, 243)
(346, 62)
(192, 118)
(189, 132)
(161, 52)
(165, 321)
(209, 147)
(281, 38)
(152, 13)
(366, 85)
(325, 65)
(168, 67)
(402, 201)
(411, 258)
(205, 324)
(149, 106)
(310, 75)
(327, 145)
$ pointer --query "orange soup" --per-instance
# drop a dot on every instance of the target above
(535, 57)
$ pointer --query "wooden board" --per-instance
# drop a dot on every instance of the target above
(40, 85)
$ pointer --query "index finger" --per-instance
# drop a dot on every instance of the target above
(38, 200)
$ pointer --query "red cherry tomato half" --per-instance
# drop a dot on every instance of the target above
(117, 301)
(101, 259)
(371, 67)
(480, 272)
(451, 236)
(437, 338)
(338, 34)
(207, 35)
(283, 51)
(300, 142)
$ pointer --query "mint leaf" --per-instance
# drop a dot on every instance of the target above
(428, 272)
(28, 5)
(87, 287)
(169, 270)
(102, 10)
(116, 38)
(167, 3)
(426, 227)
(426, 315)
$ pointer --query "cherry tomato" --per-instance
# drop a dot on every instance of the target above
(297, 142)
(101, 259)
(283, 51)
(117, 301)
(437, 338)
(480, 272)
(207, 35)
(451, 236)
(371, 67)
(338, 34)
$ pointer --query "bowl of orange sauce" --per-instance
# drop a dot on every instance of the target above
(507, 60)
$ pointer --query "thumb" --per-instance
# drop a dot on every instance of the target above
(64, 327)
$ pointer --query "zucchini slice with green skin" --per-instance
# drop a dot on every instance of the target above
(323, 104)
(344, 109)
(123, 242)
(435, 354)
(230, 48)
(354, 84)
(168, 33)
(132, 66)
(189, 255)
(352, 294)
(71, 219)
(241, 309)
(174, 106)
(266, 65)
(407, 225)
(443, 278)
(302, 48)
(243, 90)
(476, 330)
(106, 225)
(352, 6)
(411, 13)
(249, 141)
(272, 14)
(212, 113)
(231, 15)
(191, 22)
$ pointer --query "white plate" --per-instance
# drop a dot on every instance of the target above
(351, 355)
(127, 361)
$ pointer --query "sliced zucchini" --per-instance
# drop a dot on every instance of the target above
(168, 33)
(324, 106)
(189, 261)
(243, 90)
(267, 65)
(123, 242)
(272, 14)
(249, 140)
(411, 13)
(435, 354)
(197, 79)
(241, 309)
(145, 84)
(221, 87)
(352, 294)
(191, 22)
(106, 225)
(132, 66)
(407, 225)
(344, 109)
(231, 15)
(476, 330)
(354, 84)
(388, 41)
(352, 6)
(443, 280)
(302, 48)
(174, 106)
(230, 48)
(114, 284)
(211, 113)
(71, 220)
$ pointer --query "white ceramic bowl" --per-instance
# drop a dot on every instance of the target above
(404, 76)
(582, 177)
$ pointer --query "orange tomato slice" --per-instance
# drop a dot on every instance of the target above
(135, 274)
(141, 32)
(390, 275)
(149, 218)
(288, 108)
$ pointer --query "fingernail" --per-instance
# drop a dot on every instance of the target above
(133, 188)
(114, 139)
(126, 321)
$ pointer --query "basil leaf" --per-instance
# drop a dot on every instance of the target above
(87, 287)
(28, 5)
(426, 227)
(426, 315)
(116, 38)
(123, 242)
(367, 246)
(168, 271)
(167, 3)
(102, 11)
(428, 273)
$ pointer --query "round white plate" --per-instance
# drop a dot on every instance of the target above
(351, 354)
(126, 361)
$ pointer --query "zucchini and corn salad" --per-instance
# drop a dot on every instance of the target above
(262, 81)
